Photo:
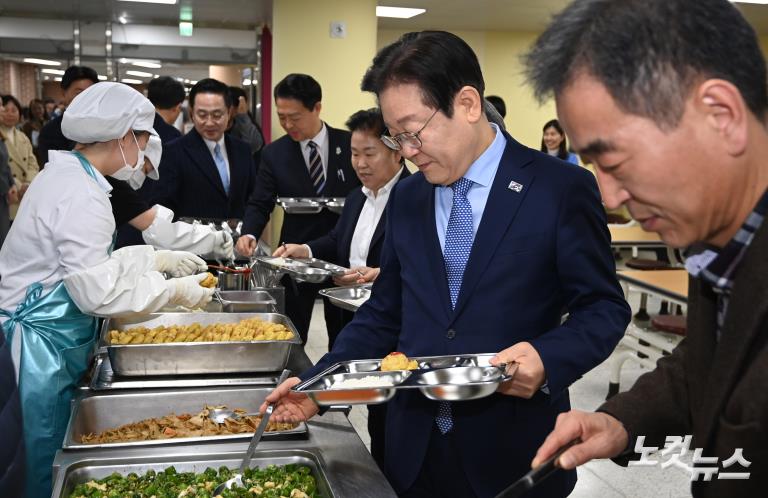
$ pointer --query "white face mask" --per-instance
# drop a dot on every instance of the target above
(128, 171)
(137, 179)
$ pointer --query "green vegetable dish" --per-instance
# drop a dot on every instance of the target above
(274, 481)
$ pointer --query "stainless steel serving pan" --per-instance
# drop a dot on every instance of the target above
(104, 379)
(444, 378)
(92, 414)
(195, 358)
(93, 467)
(348, 298)
(247, 301)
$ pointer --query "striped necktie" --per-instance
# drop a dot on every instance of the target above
(316, 168)
(459, 235)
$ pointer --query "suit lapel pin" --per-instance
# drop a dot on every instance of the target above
(338, 150)
(515, 187)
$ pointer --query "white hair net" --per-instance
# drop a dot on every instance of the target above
(107, 111)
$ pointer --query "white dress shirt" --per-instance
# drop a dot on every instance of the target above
(368, 221)
(211, 145)
(321, 139)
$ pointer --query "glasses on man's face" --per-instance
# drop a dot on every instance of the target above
(408, 138)
(214, 116)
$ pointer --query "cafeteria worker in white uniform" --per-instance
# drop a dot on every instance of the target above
(58, 273)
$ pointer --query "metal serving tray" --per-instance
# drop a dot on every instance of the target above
(350, 297)
(335, 204)
(104, 379)
(97, 468)
(251, 301)
(302, 270)
(194, 358)
(444, 378)
(93, 414)
(307, 205)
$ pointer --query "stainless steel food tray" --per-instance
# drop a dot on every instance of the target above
(92, 414)
(303, 270)
(444, 378)
(348, 298)
(103, 378)
(194, 358)
(97, 468)
(311, 205)
(335, 204)
(305, 205)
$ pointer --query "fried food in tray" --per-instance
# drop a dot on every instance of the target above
(397, 361)
(250, 329)
(210, 281)
(184, 425)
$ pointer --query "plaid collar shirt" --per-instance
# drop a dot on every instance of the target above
(718, 268)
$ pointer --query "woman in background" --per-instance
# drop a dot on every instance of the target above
(34, 124)
(21, 157)
(554, 143)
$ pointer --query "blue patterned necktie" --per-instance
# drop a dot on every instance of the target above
(459, 235)
(221, 165)
(316, 168)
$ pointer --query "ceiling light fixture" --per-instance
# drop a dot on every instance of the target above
(140, 74)
(759, 2)
(57, 78)
(57, 72)
(147, 64)
(102, 77)
(131, 81)
(166, 2)
(122, 19)
(398, 12)
(42, 62)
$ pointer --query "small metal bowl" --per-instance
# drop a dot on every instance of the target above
(325, 391)
(460, 383)
(311, 275)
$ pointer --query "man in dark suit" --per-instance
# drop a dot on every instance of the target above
(74, 80)
(485, 247)
(689, 162)
(167, 95)
(206, 174)
(312, 160)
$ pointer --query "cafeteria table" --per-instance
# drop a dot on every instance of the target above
(669, 285)
(633, 236)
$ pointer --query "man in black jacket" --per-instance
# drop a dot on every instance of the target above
(312, 160)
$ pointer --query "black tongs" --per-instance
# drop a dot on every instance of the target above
(535, 476)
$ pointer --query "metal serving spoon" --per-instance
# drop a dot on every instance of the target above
(219, 415)
(238, 478)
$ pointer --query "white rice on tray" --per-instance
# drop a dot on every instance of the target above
(367, 381)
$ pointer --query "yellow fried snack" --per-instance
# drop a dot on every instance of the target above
(397, 361)
(250, 329)
(210, 281)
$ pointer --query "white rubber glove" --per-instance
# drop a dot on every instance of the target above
(223, 246)
(187, 291)
(178, 263)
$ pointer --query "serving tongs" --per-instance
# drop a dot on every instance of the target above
(228, 269)
(238, 478)
(537, 475)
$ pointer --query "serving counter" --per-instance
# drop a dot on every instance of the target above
(332, 448)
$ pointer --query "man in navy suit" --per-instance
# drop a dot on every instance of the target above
(311, 160)
(167, 95)
(485, 248)
(206, 174)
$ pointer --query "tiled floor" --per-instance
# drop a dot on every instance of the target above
(602, 479)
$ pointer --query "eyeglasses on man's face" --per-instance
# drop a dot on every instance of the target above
(406, 138)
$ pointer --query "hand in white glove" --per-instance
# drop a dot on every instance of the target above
(187, 291)
(178, 263)
(223, 246)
